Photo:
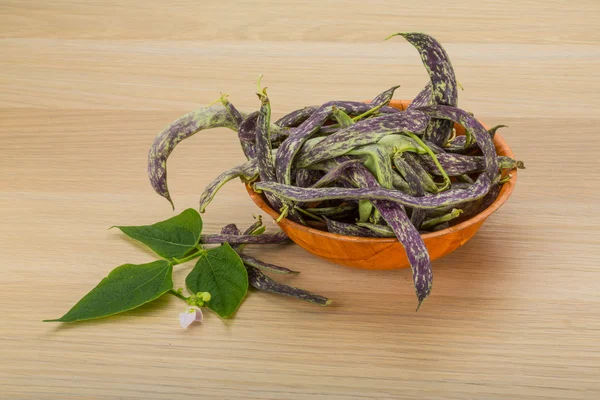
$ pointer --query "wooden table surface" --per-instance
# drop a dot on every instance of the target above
(85, 87)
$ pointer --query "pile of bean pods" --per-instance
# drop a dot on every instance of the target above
(361, 169)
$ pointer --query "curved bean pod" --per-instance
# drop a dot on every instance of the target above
(407, 234)
(459, 164)
(276, 269)
(399, 183)
(252, 228)
(481, 135)
(459, 143)
(307, 177)
(260, 281)
(264, 155)
(296, 117)
(422, 99)
(446, 198)
(434, 147)
(384, 97)
(182, 128)
(362, 133)
(377, 161)
(333, 212)
(230, 229)
(343, 228)
(443, 81)
(343, 119)
(428, 183)
(381, 230)
(335, 173)
(290, 147)
(247, 134)
(417, 189)
(430, 223)
(413, 244)
(248, 171)
(267, 238)
(233, 112)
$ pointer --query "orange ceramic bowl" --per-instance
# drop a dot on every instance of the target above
(387, 253)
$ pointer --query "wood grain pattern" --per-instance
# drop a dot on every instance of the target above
(85, 86)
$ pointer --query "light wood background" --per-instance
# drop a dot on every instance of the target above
(85, 86)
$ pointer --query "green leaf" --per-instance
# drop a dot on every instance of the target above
(125, 288)
(173, 237)
(220, 272)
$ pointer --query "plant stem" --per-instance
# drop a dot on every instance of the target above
(177, 294)
(367, 113)
(188, 258)
(309, 214)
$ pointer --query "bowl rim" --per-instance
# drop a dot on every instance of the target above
(505, 192)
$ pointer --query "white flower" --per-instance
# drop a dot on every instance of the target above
(192, 314)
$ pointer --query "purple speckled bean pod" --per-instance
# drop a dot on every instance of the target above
(434, 147)
(247, 134)
(446, 198)
(247, 129)
(276, 269)
(459, 143)
(182, 128)
(377, 160)
(362, 133)
(262, 282)
(290, 147)
(433, 222)
(296, 117)
(426, 180)
(343, 228)
(230, 229)
(470, 208)
(416, 186)
(413, 244)
(481, 135)
(407, 234)
(264, 156)
(385, 97)
(307, 177)
(460, 164)
(257, 228)
(381, 230)
(235, 114)
(399, 183)
(257, 224)
(247, 171)
(442, 78)
(267, 238)
(335, 173)
(422, 99)
(337, 212)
